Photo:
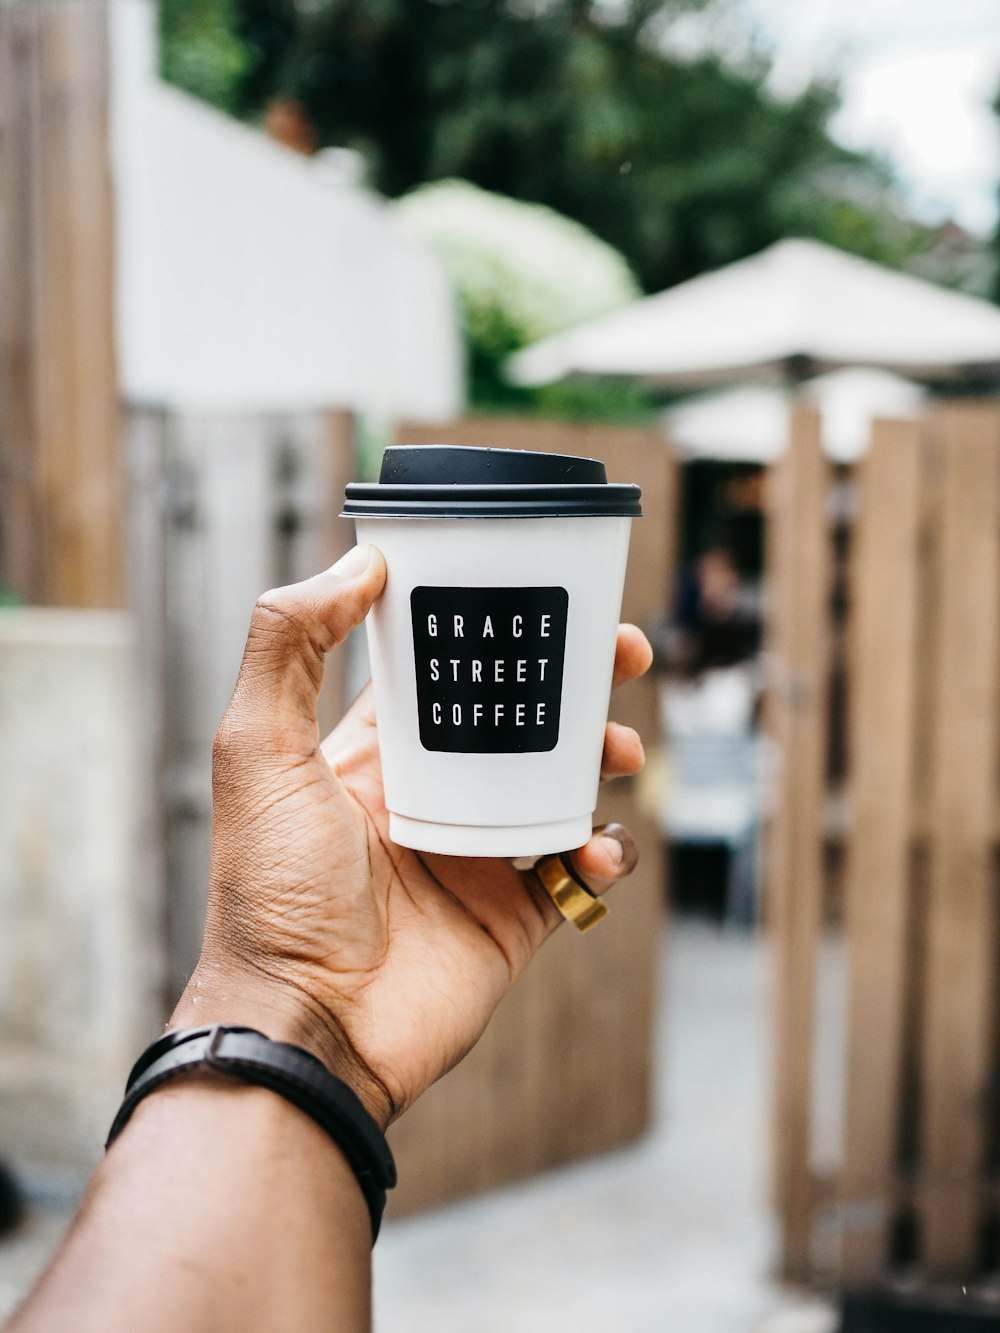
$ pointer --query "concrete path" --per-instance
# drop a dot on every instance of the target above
(672, 1236)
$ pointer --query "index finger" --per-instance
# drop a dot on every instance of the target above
(633, 655)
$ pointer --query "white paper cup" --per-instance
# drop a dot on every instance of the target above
(492, 646)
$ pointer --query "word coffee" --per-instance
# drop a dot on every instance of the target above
(489, 665)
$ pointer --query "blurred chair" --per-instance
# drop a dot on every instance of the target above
(713, 793)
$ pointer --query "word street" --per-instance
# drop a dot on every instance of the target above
(496, 670)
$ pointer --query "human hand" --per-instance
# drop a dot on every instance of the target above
(385, 962)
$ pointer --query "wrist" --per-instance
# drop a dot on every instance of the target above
(283, 1012)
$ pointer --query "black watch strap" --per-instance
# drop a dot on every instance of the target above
(245, 1054)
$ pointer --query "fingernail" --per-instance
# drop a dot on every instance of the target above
(614, 849)
(355, 562)
(620, 844)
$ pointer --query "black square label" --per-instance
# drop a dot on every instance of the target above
(489, 665)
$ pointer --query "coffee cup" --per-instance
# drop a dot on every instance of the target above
(492, 647)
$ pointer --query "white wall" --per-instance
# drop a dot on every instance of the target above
(248, 280)
(80, 957)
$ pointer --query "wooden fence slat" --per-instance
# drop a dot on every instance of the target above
(144, 442)
(884, 670)
(799, 572)
(327, 462)
(59, 427)
(955, 1056)
(23, 536)
(84, 473)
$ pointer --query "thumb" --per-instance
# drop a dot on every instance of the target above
(291, 631)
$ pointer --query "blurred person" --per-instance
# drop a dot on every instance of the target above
(715, 629)
(711, 792)
(221, 1205)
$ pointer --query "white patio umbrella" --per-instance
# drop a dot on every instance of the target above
(749, 423)
(796, 301)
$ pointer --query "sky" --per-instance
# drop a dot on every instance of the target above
(917, 77)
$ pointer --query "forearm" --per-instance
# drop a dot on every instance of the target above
(220, 1207)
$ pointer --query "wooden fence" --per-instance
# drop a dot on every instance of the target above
(61, 533)
(916, 1182)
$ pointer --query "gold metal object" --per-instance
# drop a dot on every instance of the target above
(574, 902)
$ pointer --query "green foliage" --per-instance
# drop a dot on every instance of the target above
(521, 271)
(681, 164)
(202, 50)
(227, 52)
(615, 400)
(621, 401)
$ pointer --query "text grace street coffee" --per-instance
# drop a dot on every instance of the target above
(492, 647)
(489, 667)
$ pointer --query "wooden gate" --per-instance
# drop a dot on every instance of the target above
(916, 1181)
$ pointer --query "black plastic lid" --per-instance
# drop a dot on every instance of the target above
(459, 481)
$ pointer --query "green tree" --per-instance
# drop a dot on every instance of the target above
(202, 49)
(521, 272)
(227, 52)
(681, 164)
